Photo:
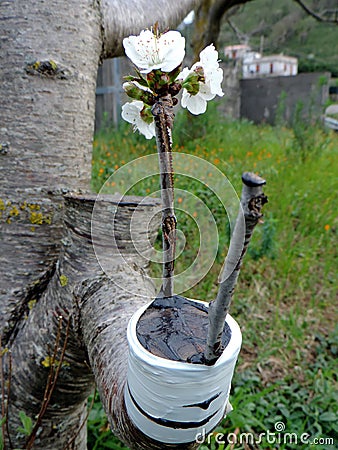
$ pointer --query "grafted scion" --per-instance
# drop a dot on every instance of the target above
(164, 117)
(252, 201)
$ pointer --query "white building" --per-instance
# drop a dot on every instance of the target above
(269, 66)
(236, 51)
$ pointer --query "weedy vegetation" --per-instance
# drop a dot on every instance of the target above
(285, 299)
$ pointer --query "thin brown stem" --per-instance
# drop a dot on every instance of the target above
(163, 116)
(4, 395)
(84, 422)
(8, 394)
(55, 367)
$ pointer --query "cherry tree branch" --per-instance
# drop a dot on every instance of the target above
(245, 37)
(117, 24)
(315, 15)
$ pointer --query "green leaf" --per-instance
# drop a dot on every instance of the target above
(27, 424)
(328, 416)
(2, 422)
(112, 445)
(1, 441)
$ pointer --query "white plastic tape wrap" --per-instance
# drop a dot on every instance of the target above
(173, 401)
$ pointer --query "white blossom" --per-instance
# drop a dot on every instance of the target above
(209, 57)
(131, 112)
(197, 104)
(149, 52)
(212, 72)
(209, 87)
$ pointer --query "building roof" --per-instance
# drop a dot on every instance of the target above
(237, 47)
(269, 58)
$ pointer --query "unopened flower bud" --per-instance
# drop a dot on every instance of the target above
(175, 73)
(164, 79)
(191, 83)
(146, 114)
(200, 72)
(151, 79)
(136, 91)
(175, 88)
(158, 81)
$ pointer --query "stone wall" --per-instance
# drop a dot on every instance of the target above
(276, 98)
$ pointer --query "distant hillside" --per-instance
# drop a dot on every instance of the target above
(287, 29)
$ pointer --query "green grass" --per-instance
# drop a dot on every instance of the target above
(285, 298)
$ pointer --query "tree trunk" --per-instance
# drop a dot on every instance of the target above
(141, 14)
(51, 52)
(47, 121)
(208, 19)
(78, 268)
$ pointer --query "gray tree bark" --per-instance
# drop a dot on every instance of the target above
(77, 268)
(50, 51)
(252, 201)
(208, 19)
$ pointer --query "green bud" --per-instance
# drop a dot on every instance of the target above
(139, 79)
(158, 81)
(200, 72)
(146, 114)
(191, 83)
(137, 93)
(175, 73)
(131, 90)
(151, 79)
(164, 79)
(175, 88)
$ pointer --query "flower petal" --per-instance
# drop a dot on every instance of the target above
(141, 49)
(149, 52)
(215, 82)
(194, 103)
(205, 92)
(209, 57)
(148, 130)
(212, 72)
(131, 112)
(172, 50)
(185, 72)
